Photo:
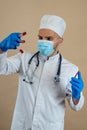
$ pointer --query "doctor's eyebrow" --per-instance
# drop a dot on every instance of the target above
(50, 38)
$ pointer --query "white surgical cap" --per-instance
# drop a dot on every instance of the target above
(54, 23)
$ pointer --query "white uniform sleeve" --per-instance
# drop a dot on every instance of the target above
(18, 122)
(79, 105)
(9, 65)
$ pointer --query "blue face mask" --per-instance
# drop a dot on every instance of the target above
(45, 47)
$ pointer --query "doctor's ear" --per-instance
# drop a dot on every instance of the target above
(60, 40)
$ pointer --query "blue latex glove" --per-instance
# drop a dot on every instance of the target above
(11, 42)
(77, 85)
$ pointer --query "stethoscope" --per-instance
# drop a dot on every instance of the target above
(29, 79)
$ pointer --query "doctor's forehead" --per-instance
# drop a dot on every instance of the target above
(46, 32)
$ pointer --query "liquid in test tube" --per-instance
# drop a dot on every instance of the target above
(76, 74)
(22, 41)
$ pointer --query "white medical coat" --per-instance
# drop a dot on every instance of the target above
(40, 106)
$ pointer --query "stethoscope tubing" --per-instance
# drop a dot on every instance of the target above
(57, 76)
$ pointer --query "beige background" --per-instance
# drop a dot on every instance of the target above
(24, 15)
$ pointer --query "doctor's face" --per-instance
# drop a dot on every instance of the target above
(46, 34)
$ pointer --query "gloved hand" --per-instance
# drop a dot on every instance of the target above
(11, 42)
(77, 85)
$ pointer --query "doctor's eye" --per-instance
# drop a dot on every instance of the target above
(40, 37)
(49, 38)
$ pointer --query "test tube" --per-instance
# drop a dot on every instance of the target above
(22, 41)
(76, 74)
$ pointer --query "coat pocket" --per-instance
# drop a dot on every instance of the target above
(55, 126)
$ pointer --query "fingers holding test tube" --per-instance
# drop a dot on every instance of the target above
(12, 41)
(77, 85)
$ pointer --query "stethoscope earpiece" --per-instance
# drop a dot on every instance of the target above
(27, 81)
(57, 78)
(23, 79)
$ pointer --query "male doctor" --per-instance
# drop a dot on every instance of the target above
(45, 80)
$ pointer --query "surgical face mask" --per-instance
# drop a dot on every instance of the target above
(45, 47)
